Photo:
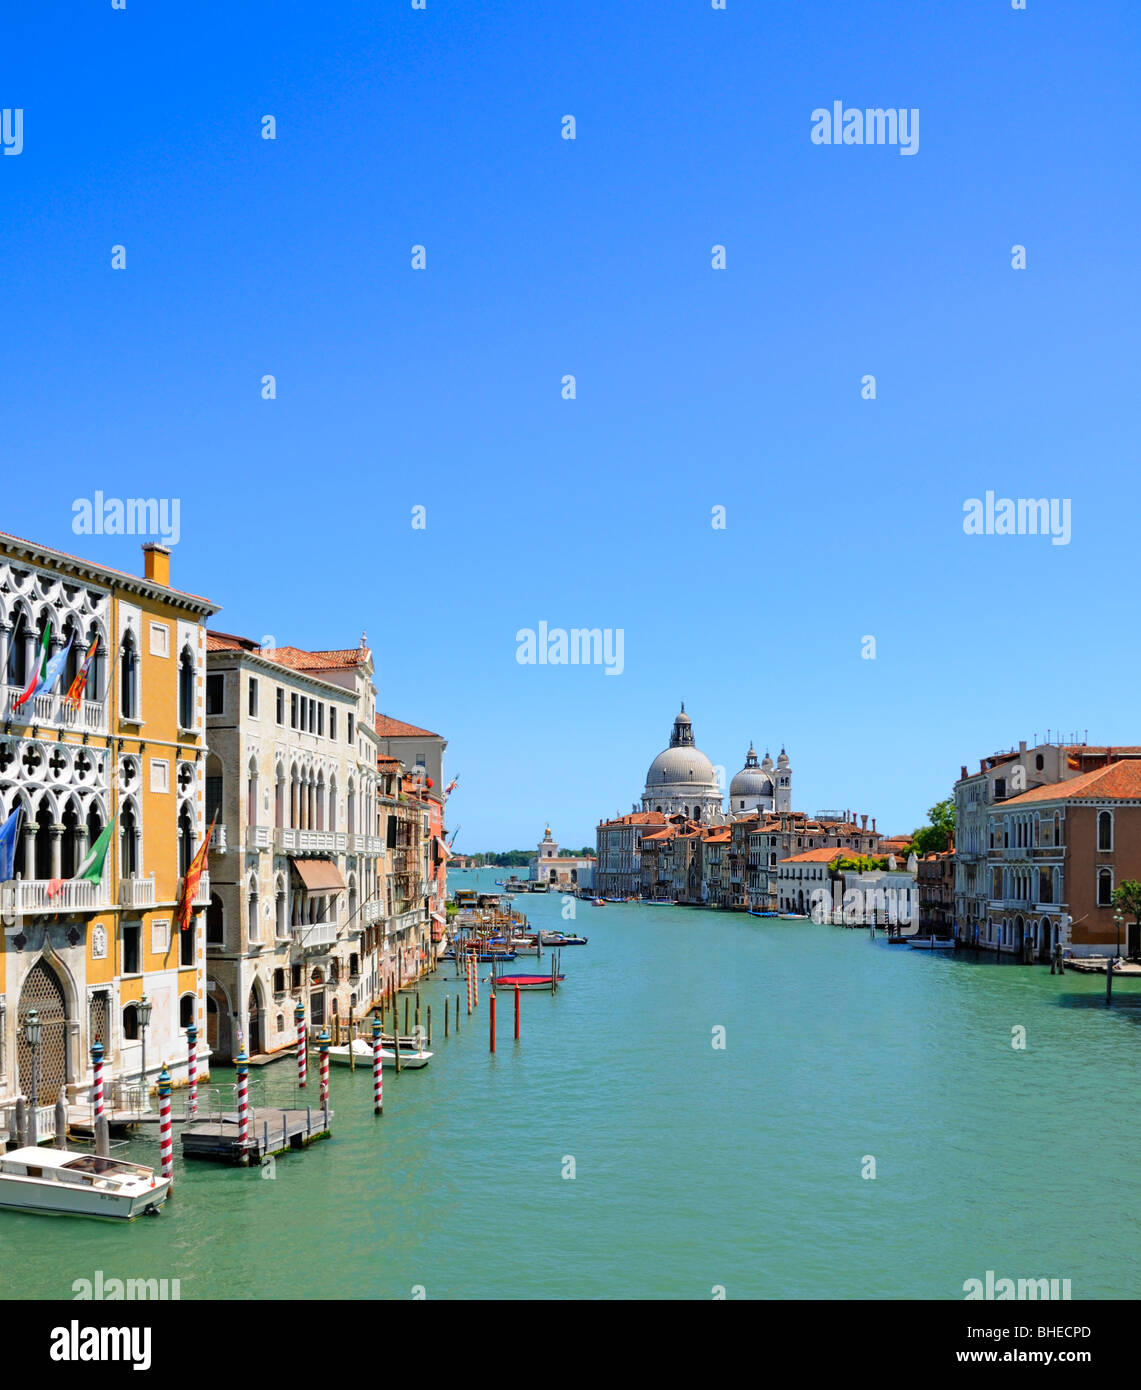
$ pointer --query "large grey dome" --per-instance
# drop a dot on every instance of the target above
(681, 778)
(684, 765)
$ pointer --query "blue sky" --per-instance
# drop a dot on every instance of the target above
(696, 388)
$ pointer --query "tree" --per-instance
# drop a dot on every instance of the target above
(1127, 899)
(939, 833)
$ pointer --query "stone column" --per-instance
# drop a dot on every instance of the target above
(57, 850)
(5, 640)
(29, 851)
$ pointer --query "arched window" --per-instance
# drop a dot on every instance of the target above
(186, 846)
(279, 798)
(186, 684)
(187, 1010)
(252, 794)
(215, 922)
(1105, 887)
(128, 842)
(130, 1023)
(128, 677)
(252, 912)
(1105, 831)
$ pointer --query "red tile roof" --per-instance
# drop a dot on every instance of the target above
(816, 856)
(1118, 781)
(387, 727)
(342, 659)
(637, 818)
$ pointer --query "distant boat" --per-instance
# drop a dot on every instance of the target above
(931, 943)
(528, 981)
(598, 902)
(762, 914)
(60, 1182)
(618, 900)
(572, 941)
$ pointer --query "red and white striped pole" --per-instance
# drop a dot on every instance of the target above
(467, 963)
(243, 1101)
(475, 974)
(323, 1044)
(493, 1020)
(165, 1143)
(192, 1068)
(97, 1082)
(299, 1015)
(378, 1068)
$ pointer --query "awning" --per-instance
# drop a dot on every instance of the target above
(319, 875)
(439, 917)
(444, 850)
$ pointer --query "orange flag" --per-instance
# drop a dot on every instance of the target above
(190, 882)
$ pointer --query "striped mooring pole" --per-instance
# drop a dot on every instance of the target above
(378, 1068)
(299, 1016)
(243, 1101)
(97, 1083)
(468, 972)
(323, 1044)
(165, 1143)
(192, 1068)
(493, 1020)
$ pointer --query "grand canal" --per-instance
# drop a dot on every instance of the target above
(695, 1167)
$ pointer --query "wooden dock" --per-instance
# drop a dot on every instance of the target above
(272, 1131)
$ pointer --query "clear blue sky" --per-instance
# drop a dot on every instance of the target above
(696, 387)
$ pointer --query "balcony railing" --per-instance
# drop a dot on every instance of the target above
(137, 892)
(202, 896)
(372, 845)
(309, 841)
(31, 895)
(315, 936)
(371, 912)
(219, 843)
(259, 837)
(90, 717)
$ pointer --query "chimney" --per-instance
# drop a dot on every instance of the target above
(1022, 745)
(863, 822)
(962, 771)
(873, 825)
(156, 563)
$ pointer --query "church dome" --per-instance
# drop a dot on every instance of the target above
(751, 780)
(688, 765)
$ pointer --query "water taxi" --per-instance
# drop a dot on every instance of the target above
(63, 1183)
(410, 1057)
(931, 943)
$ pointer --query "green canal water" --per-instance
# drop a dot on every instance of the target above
(695, 1167)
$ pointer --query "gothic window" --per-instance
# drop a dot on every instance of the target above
(1105, 831)
(215, 922)
(128, 677)
(1104, 887)
(186, 687)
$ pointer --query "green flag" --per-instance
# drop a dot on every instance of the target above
(92, 867)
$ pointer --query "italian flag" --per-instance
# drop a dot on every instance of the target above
(91, 870)
(38, 671)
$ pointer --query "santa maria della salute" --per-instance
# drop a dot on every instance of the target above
(681, 781)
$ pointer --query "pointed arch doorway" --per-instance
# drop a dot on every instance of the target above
(42, 990)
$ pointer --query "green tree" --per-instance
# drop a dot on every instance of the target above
(1127, 899)
(939, 832)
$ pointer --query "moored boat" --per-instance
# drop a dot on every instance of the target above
(528, 981)
(410, 1057)
(62, 1183)
(931, 943)
(598, 902)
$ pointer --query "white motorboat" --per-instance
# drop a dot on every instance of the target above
(410, 1057)
(63, 1183)
(931, 943)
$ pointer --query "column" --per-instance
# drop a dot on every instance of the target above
(29, 851)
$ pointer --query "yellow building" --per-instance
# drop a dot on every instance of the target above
(85, 954)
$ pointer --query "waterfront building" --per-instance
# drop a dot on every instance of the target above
(798, 877)
(298, 859)
(775, 838)
(568, 870)
(1054, 856)
(1000, 777)
(681, 779)
(619, 845)
(109, 787)
(414, 747)
(935, 881)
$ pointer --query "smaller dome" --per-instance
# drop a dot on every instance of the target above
(751, 780)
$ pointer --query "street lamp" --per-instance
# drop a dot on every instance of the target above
(1117, 921)
(32, 1031)
(144, 1010)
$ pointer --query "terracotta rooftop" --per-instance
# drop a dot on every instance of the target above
(637, 818)
(1118, 781)
(816, 856)
(342, 659)
(387, 727)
